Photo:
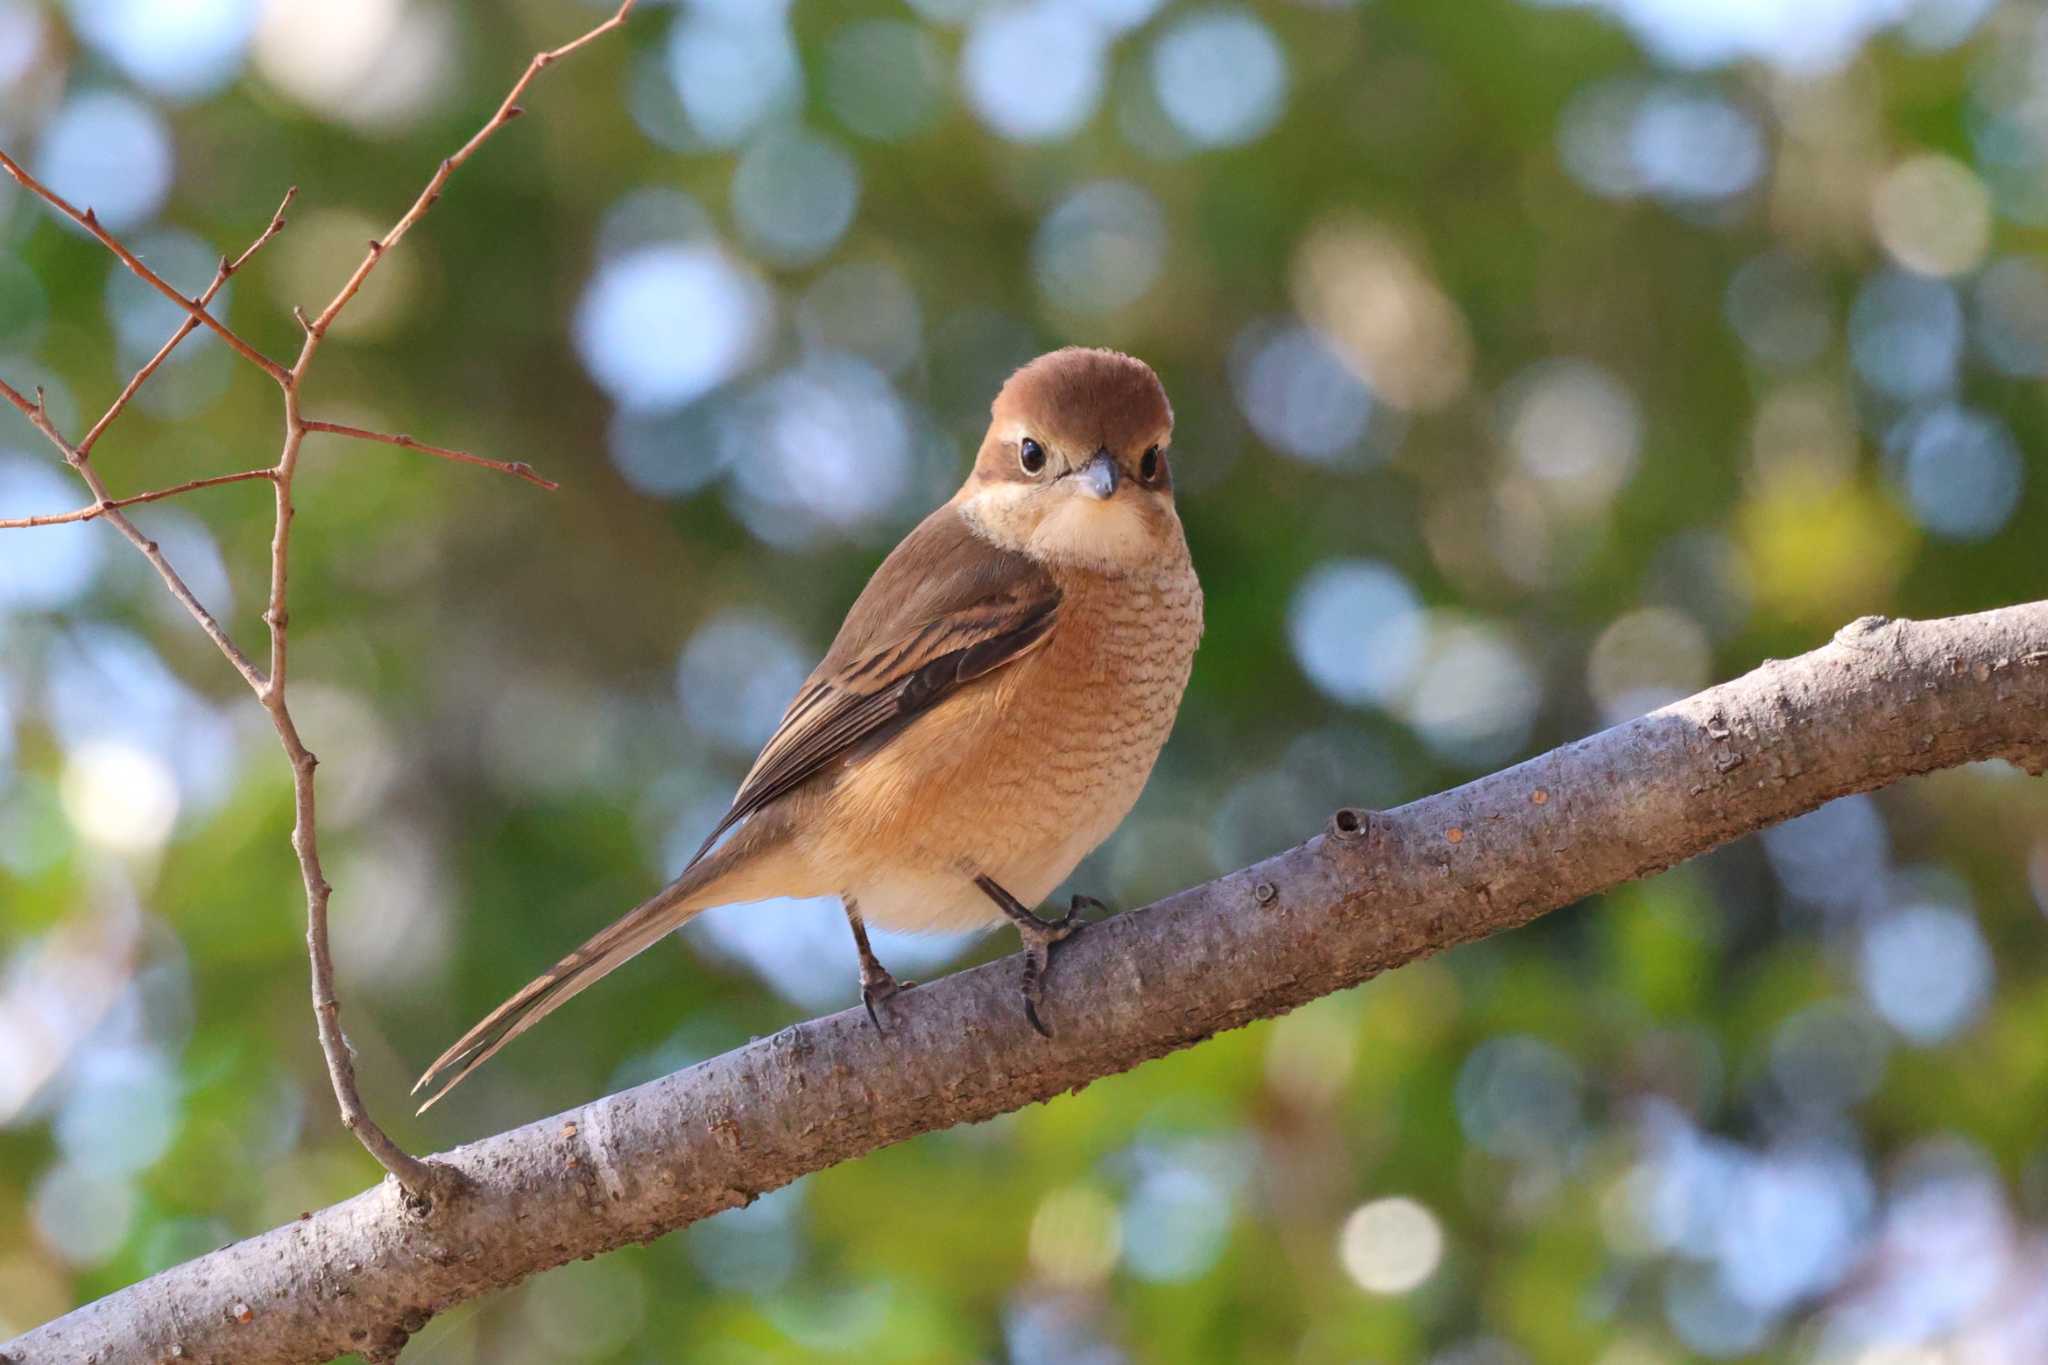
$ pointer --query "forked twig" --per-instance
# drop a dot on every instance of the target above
(420, 1179)
(40, 417)
(187, 327)
(89, 220)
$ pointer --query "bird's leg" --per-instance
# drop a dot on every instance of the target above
(1039, 937)
(875, 981)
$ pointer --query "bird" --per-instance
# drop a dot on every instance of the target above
(985, 718)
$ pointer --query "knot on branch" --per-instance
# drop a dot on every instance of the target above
(424, 1187)
(1862, 632)
(1350, 823)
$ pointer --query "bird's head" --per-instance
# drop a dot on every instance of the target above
(1074, 468)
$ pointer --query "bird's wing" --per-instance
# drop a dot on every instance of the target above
(944, 609)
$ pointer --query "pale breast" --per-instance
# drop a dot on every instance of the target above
(1021, 777)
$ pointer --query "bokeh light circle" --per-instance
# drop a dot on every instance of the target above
(794, 195)
(1220, 76)
(1358, 630)
(110, 153)
(1034, 72)
(1961, 470)
(1390, 1246)
(668, 322)
(178, 48)
(1933, 215)
(1101, 248)
(1927, 970)
(734, 67)
(1298, 394)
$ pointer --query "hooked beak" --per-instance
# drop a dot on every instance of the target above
(1099, 476)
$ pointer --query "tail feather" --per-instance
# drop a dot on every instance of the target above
(708, 882)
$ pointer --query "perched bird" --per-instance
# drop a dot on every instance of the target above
(987, 715)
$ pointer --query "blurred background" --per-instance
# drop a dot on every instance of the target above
(1536, 363)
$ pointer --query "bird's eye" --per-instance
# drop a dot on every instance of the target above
(1150, 466)
(1031, 455)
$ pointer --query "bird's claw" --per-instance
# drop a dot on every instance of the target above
(1037, 962)
(1039, 937)
(1079, 903)
(880, 988)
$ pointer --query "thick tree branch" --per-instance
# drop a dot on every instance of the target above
(1884, 701)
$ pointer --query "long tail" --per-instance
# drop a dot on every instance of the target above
(708, 882)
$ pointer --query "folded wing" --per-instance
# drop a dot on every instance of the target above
(954, 609)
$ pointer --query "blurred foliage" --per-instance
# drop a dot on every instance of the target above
(1535, 364)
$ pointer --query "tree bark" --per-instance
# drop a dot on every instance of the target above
(1883, 701)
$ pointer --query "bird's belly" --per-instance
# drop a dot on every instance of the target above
(917, 902)
(997, 818)
(1017, 780)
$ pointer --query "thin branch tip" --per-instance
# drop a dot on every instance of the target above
(518, 469)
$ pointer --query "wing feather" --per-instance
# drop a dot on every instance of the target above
(944, 609)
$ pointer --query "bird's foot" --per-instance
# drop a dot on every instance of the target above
(1039, 936)
(1037, 962)
(877, 987)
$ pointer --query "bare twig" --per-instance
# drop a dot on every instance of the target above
(187, 327)
(518, 469)
(1371, 892)
(508, 109)
(100, 509)
(420, 1180)
(88, 220)
(40, 417)
(418, 1177)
